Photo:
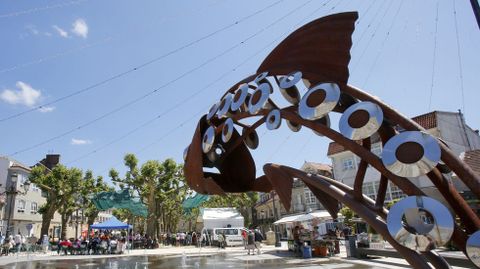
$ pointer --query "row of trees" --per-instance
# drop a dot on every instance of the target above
(159, 185)
(66, 190)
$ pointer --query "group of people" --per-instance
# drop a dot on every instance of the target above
(11, 243)
(252, 239)
(99, 244)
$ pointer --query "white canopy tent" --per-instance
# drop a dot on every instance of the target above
(220, 218)
(321, 214)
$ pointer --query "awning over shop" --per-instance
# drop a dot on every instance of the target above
(321, 214)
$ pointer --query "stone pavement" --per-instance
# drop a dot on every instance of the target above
(268, 253)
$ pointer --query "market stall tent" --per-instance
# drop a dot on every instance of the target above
(220, 218)
(111, 224)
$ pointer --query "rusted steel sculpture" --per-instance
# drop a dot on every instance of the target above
(318, 54)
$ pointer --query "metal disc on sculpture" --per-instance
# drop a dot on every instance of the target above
(212, 111)
(259, 98)
(273, 120)
(227, 130)
(239, 97)
(473, 248)
(361, 120)
(323, 121)
(251, 140)
(428, 223)
(318, 101)
(208, 139)
(260, 78)
(224, 105)
(185, 152)
(288, 87)
(295, 127)
(411, 154)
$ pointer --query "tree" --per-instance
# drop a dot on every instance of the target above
(157, 184)
(348, 215)
(59, 185)
(91, 186)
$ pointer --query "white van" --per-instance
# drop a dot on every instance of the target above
(233, 235)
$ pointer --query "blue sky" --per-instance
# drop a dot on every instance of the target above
(51, 49)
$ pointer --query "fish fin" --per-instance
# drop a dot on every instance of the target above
(281, 182)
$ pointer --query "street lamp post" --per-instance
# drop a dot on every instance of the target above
(12, 191)
(275, 215)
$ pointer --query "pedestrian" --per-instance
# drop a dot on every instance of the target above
(250, 242)
(258, 240)
(221, 240)
(244, 237)
(45, 243)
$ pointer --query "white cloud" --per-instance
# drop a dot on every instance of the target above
(32, 29)
(25, 95)
(80, 28)
(80, 141)
(45, 109)
(60, 31)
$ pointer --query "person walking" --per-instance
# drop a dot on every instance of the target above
(258, 239)
(221, 240)
(250, 242)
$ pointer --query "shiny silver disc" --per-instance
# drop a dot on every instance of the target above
(208, 139)
(239, 97)
(294, 126)
(429, 219)
(224, 105)
(318, 101)
(259, 98)
(212, 111)
(227, 130)
(251, 140)
(323, 121)
(473, 248)
(258, 79)
(273, 120)
(411, 154)
(288, 87)
(361, 120)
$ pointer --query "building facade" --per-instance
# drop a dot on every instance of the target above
(450, 127)
(19, 212)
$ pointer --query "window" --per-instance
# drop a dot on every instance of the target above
(21, 205)
(369, 189)
(395, 192)
(33, 208)
(348, 164)
(34, 187)
(309, 197)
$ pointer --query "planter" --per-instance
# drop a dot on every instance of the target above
(321, 251)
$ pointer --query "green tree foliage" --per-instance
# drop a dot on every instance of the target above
(243, 202)
(59, 185)
(159, 185)
(348, 215)
(91, 186)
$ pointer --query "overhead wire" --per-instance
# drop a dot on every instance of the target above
(37, 9)
(136, 100)
(459, 56)
(138, 67)
(251, 57)
(432, 80)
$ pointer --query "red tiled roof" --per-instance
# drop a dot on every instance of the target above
(472, 158)
(427, 121)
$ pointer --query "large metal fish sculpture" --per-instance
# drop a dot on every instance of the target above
(316, 57)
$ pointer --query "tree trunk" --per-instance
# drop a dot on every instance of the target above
(91, 218)
(65, 218)
(46, 219)
(151, 213)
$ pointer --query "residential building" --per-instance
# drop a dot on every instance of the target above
(20, 209)
(269, 208)
(450, 127)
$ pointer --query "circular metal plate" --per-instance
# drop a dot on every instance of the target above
(294, 126)
(227, 130)
(238, 99)
(251, 140)
(273, 120)
(318, 101)
(290, 80)
(259, 98)
(429, 220)
(260, 77)
(473, 248)
(411, 154)
(208, 139)
(361, 120)
(224, 105)
(323, 121)
(212, 111)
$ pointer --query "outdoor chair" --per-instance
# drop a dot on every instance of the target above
(64, 249)
(83, 249)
